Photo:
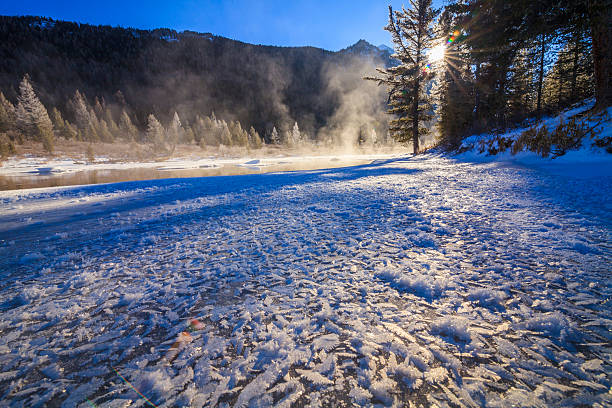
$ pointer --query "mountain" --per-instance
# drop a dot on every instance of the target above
(385, 47)
(364, 49)
(162, 70)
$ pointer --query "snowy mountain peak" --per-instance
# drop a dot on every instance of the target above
(364, 49)
(385, 47)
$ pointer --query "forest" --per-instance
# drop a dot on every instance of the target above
(102, 84)
(485, 66)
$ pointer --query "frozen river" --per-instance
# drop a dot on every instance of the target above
(405, 282)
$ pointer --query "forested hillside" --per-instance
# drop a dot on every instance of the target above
(125, 75)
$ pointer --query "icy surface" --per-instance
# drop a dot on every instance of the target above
(407, 282)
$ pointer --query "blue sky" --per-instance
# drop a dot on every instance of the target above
(331, 24)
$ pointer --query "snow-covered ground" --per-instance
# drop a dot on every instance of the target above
(409, 282)
(586, 161)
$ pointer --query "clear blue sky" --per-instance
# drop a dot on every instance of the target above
(329, 24)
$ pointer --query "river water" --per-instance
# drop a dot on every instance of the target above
(37, 177)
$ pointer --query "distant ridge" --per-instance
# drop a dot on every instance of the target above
(161, 70)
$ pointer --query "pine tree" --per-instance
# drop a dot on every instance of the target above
(373, 137)
(189, 135)
(176, 131)
(600, 16)
(70, 131)
(239, 136)
(59, 124)
(104, 132)
(254, 138)
(32, 117)
(296, 137)
(155, 133)
(274, 137)
(412, 33)
(7, 114)
(110, 121)
(225, 136)
(127, 128)
(82, 116)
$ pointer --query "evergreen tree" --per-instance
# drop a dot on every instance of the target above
(127, 128)
(32, 117)
(104, 132)
(188, 136)
(225, 136)
(412, 33)
(60, 125)
(82, 116)
(274, 137)
(373, 137)
(254, 138)
(110, 121)
(176, 131)
(600, 18)
(7, 114)
(455, 81)
(296, 136)
(238, 135)
(155, 133)
(70, 131)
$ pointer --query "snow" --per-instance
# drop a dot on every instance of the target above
(588, 161)
(405, 282)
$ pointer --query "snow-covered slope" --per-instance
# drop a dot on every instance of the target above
(408, 282)
(589, 160)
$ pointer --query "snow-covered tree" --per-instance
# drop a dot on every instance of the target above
(32, 117)
(80, 109)
(254, 138)
(413, 35)
(225, 135)
(7, 114)
(239, 136)
(127, 128)
(274, 137)
(155, 133)
(296, 136)
(176, 131)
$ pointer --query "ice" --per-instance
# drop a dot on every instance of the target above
(410, 282)
(453, 327)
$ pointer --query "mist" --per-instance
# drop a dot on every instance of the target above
(361, 105)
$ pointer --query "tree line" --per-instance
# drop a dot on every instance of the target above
(29, 120)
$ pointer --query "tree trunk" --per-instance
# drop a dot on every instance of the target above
(476, 114)
(541, 75)
(600, 13)
(415, 119)
(573, 97)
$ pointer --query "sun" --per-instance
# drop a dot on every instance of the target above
(436, 54)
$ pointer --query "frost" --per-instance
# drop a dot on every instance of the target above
(453, 327)
(155, 385)
(382, 390)
(31, 257)
(315, 378)
(411, 376)
(360, 396)
(553, 324)
(327, 342)
(417, 280)
(491, 299)
(82, 392)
